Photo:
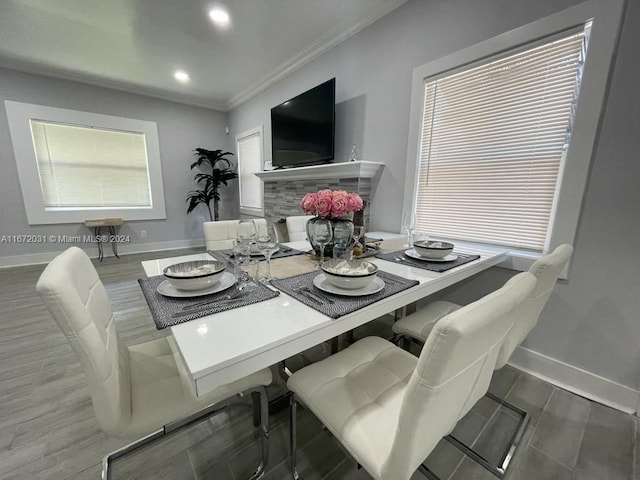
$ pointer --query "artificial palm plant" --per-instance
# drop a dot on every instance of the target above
(221, 170)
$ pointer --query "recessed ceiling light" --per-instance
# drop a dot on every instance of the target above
(219, 16)
(182, 77)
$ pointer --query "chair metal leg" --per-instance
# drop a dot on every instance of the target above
(128, 449)
(293, 410)
(261, 393)
(424, 470)
(500, 469)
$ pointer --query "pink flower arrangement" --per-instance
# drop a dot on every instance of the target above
(331, 203)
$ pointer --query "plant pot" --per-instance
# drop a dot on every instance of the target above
(342, 228)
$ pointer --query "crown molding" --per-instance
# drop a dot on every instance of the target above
(306, 55)
(62, 74)
(303, 57)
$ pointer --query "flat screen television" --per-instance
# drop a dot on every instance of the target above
(303, 128)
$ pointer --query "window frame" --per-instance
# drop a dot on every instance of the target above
(573, 175)
(19, 114)
(250, 210)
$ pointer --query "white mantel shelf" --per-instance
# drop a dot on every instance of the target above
(359, 169)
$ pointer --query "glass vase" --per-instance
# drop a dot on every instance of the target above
(342, 234)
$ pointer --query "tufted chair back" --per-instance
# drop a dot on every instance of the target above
(78, 302)
(220, 235)
(297, 227)
(452, 374)
(546, 269)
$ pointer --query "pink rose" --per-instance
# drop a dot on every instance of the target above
(339, 199)
(339, 206)
(354, 202)
(308, 203)
(323, 202)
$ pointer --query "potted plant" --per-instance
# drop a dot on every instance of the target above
(221, 171)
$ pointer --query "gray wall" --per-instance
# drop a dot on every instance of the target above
(592, 321)
(181, 128)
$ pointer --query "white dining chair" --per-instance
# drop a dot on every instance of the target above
(418, 326)
(140, 390)
(219, 235)
(297, 227)
(389, 408)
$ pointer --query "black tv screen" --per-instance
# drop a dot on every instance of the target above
(303, 128)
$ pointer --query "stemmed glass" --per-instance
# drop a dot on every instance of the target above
(247, 231)
(267, 242)
(321, 233)
(242, 264)
(409, 226)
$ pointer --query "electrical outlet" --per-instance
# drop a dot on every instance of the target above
(143, 234)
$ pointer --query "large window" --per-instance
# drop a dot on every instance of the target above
(75, 166)
(493, 140)
(502, 133)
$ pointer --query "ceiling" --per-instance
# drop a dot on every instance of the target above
(137, 45)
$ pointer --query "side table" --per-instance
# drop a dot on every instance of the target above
(111, 224)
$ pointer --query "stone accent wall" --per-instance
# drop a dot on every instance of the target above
(282, 198)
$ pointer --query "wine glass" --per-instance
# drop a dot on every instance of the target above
(321, 233)
(409, 226)
(247, 231)
(243, 264)
(267, 242)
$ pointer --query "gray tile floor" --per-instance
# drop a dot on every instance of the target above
(48, 430)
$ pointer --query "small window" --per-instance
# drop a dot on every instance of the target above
(75, 166)
(249, 152)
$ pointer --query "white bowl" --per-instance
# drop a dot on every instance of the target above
(433, 249)
(194, 275)
(349, 274)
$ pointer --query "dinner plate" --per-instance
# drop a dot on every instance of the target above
(226, 280)
(413, 254)
(375, 285)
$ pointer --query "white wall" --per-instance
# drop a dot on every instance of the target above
(181, 128)
(592, 321)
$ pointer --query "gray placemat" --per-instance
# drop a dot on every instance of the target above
(164, 308)
(335, 306)
(400, 257)
(227, 255)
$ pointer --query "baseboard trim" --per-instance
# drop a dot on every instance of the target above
(92, 251)
(576, 380)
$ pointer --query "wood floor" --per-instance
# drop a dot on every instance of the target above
(48, 429)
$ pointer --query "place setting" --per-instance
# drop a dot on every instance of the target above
(436, 256)
(190, 290)
(342, 286)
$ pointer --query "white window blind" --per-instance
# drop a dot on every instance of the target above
(85, 167)
(249, 149)
(493, 141)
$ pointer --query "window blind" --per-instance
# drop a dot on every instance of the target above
(249, 162)
(492, 144)
(85, 167)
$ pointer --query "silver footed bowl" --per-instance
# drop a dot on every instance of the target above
(349, 274)
(433, 249)
(194, 275)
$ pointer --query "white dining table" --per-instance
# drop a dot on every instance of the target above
(223, 347)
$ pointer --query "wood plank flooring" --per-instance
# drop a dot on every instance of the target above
(48, 429)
